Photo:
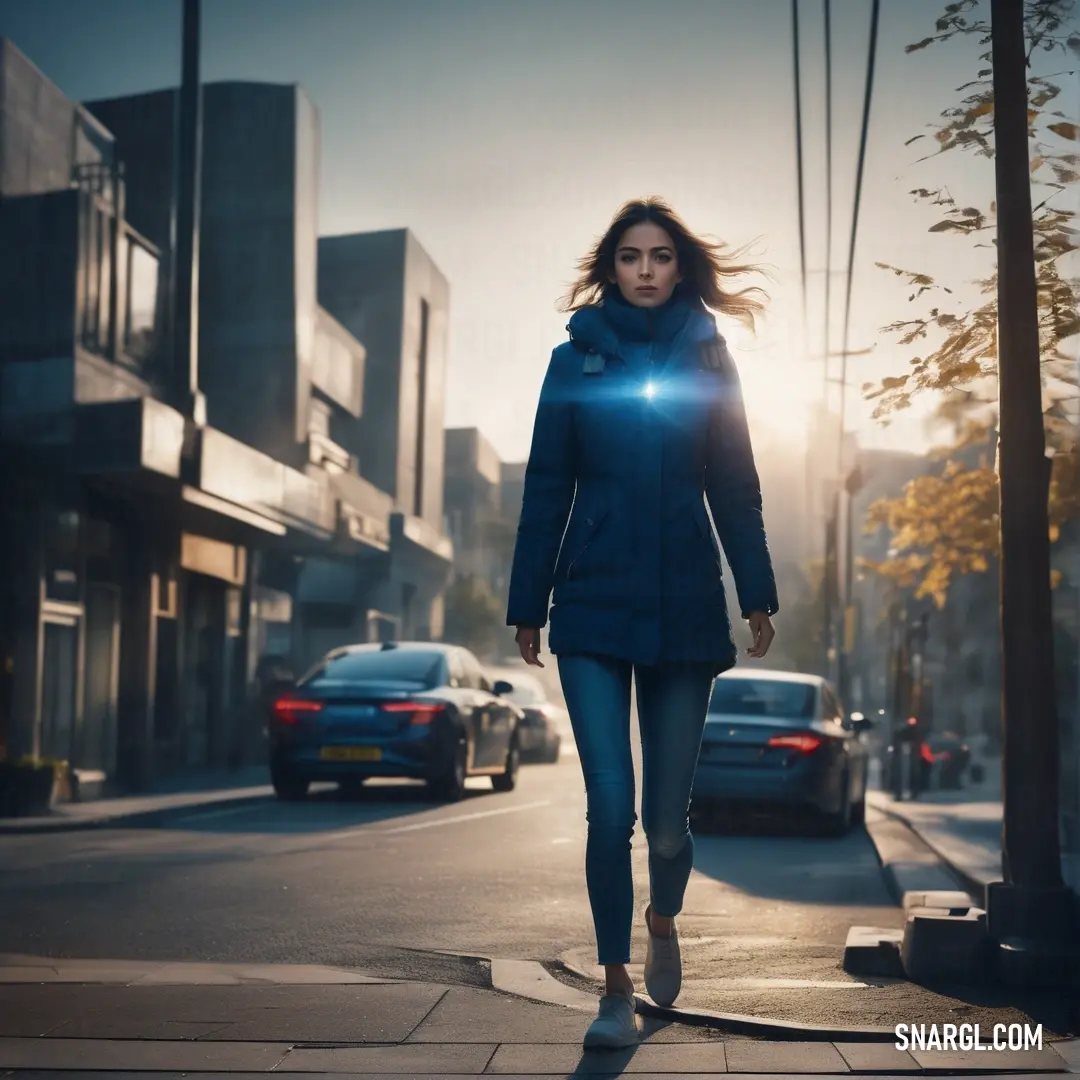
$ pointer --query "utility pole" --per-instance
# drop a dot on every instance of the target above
(832, 600)
(853, 484)
(1029, 913)
(187, 211)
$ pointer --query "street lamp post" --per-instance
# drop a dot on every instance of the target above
(1029, 914)
(187, 212)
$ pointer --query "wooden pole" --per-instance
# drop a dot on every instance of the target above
(1030, 840)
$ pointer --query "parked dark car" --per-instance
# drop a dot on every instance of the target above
(544, 721)
(401, 709)
(781, 741)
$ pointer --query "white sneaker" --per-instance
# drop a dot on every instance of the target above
(615, 1026)
(663, 966)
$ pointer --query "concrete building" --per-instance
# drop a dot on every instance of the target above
(152, 556)
(384, 288)
(128, 526)
(288, 377)
(474, 511)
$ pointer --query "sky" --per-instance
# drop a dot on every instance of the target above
(505, 134)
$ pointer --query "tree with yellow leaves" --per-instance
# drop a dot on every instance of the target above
(947, 524)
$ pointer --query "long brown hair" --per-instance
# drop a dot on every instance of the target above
(705, 266)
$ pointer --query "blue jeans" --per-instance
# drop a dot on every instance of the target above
(673, 699)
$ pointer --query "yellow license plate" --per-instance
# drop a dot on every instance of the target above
(351, 753)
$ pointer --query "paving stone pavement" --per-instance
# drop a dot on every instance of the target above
(96, 1018)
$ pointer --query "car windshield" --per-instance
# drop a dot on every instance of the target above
(526, 694)
(762, 697)
(421, 669)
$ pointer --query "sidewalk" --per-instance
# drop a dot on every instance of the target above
(963, 828)
(210, 788)
(123, 1016)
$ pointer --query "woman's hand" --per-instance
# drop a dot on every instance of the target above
(761, 628)
(528, 642)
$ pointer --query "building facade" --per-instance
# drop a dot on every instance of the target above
(385, 289)
(156, 559)
(474, 511)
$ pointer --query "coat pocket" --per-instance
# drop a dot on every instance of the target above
(592, 523)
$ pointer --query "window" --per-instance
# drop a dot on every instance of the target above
(97, 276)
(319, 419)
(140, 322)
(831, 705)
(422, 669)
(763, 697)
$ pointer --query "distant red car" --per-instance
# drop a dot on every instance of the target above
(909, 735)
(951, 756)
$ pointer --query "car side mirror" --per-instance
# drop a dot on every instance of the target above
(502, 688)
(860, 723)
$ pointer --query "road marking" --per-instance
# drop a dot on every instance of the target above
(437, 822)
(210, 814)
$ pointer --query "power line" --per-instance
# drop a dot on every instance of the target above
(799, 154)
(828, 187)
(874, 13)
(843, 660)
(830, 526)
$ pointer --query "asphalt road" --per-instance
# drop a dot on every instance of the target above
(388, 882)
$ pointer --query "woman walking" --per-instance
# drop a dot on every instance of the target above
(640, 423)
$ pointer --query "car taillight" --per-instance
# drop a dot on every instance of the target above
(422, 712)
(926, 754)
(805, 743)
(290, 710)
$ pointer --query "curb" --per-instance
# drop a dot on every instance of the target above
(909, 863)
(975, 887)
(779, 1030)
(531, 980)
(134, 819)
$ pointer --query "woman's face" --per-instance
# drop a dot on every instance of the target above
(646, 270)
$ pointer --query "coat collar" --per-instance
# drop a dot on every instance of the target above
(605, 329)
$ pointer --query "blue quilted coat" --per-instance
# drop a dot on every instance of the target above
(640, 424)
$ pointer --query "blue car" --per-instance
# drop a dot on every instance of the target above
(418, 710)
(781, 740)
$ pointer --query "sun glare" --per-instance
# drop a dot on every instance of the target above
(780, 396)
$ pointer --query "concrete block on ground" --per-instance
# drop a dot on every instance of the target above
(942, 947)
(874, 950)
(957, 913)
(949, 899)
